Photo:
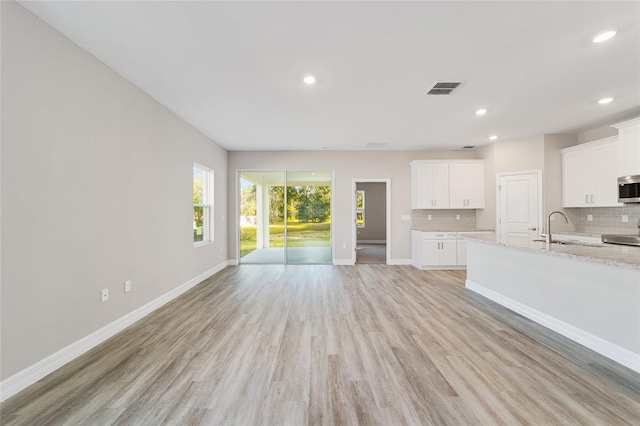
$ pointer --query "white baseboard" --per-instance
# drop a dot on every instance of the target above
(603, 347)
(399, 262)
(441, 268)
(233, 262)
(30, 375)
(343, 262)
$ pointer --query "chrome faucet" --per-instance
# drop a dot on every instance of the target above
(547, 237)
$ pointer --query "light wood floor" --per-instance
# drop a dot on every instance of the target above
(366, 344)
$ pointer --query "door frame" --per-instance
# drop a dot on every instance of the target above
(285, 172)
(354, 227)
(538, 172)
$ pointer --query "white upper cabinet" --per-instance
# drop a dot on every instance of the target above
(466, 185)
(590, 174)
(447, 184)
(429, 185)
(629, 137)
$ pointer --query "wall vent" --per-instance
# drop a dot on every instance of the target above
(444, 87)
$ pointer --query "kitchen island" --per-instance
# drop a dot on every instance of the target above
(590, 294)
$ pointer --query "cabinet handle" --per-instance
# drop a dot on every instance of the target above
(586, 199)
(591, 198)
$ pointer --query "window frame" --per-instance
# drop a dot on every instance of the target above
(360, 210)
(206, 204)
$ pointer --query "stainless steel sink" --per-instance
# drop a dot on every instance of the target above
(572, 243)
(626, 239)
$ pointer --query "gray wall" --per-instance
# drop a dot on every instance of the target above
(347, 165)
(501, 157)
(543, 152)
(375, 213)
(96, 189)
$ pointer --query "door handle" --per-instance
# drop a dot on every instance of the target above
(532, 229)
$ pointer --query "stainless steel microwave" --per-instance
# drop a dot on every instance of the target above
(629, 189)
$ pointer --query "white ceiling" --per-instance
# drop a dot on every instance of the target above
(234, 69)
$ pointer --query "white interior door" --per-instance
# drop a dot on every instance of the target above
(520, 201)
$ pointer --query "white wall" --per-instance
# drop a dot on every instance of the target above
(347, 165)
(96, 189)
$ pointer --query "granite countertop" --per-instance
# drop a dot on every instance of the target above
(609, 254)
(452, 230)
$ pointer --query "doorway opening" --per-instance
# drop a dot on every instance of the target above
(285, 217)
(372, 229)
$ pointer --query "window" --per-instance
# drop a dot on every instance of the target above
(202, 204)
(360, 209)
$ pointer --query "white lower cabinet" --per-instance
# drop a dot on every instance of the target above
(434, 250)
(440, 250)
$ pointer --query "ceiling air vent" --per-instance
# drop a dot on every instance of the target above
(468, 147)
(444, 87)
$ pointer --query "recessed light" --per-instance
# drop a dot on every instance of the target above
(604, 36)
(481, 111)
(493, 137)
(309, 79)
(605, 101)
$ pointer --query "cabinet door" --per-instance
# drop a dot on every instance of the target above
(422, 186)
(466, 183)
(474, 182)
(577, 178)
(630, 149)
(457, 186)
(448, 252)
(440, 190)
(606, 170)
(430, 252)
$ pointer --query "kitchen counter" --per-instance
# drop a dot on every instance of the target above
(590, 294)
(609, 254)
(451, 230)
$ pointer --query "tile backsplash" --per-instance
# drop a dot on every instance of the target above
(605, 220)
(442, 220)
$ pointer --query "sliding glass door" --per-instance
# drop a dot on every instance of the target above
(262, 217)
(285, 217)
(309, 217)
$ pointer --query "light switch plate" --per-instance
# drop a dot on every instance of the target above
(625, 218)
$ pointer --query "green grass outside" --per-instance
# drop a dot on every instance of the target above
(298, 235)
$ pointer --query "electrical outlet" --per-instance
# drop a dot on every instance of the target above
(127, 286)
(428, 217)
(589, 218)
(344, 246)
(457, 217)
(105, 294)
(625, 218)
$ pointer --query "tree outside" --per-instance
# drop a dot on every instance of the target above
(308, 216)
